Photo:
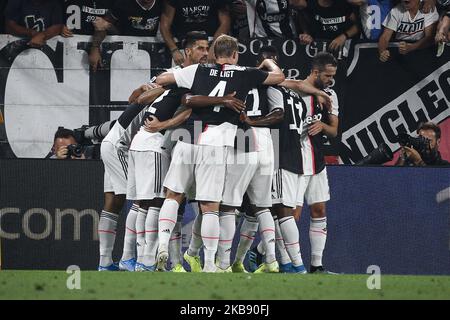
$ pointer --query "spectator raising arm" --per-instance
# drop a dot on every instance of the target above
(167, 18)
(224, 22)
(101, 26)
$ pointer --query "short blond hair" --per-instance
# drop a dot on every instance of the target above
(225, 46)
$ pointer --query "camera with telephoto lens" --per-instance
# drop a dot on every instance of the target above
(75, 150)
(420, 144)
(379, 155)
(88, 140)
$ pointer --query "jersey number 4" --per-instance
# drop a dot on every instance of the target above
(218, 91)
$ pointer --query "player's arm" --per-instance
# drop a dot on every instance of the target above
(139, 91)
(273, 117)
(183, 78)
(229, 101)
(150, 95)
(275, 74)
(329, 129)
(304, 87)
(165, 79)
(275, 103)
(152, 124)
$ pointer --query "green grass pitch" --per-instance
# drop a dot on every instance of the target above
(192, 286)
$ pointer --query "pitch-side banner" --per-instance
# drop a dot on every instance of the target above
(43, 89)
(383, 99)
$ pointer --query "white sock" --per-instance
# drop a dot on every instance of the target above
(167, 220)
(196, 238)
(227, 230)
(175, 243)
(140, 233)
(291, 238)
(151, 236)
(260, 248)
(129, 240)
(210, 237)
(318, 238)
(267, 232)
(281, 248)
(247, 235)
(107, 236)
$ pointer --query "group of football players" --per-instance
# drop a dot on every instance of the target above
(228, 139)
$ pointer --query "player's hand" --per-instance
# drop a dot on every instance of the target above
(153, 125)
(324, 100)
(412, 155)
(244, 118)
(305, 39)
(315, 128)
(95, 59)
(66, 32)
(37, 41)
(404, 48)
(230, 102)
(177, 57)
(385, 55)
(337, 43)
(143, 88)
(61, 153)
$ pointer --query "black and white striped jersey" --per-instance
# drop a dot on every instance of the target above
(163, 108)
(290, 130)
(128, 124)
(312, 146)
(262, 100)
(270, 18)
(217, 80)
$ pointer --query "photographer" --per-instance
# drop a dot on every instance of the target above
(424, 150)
(64, 145)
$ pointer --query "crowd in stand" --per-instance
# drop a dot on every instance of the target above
(415, 24)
